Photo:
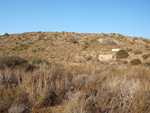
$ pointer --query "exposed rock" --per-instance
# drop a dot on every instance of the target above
(105, 57)
(115, 50)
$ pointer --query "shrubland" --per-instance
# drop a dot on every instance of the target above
(59, 72)
(68, 88)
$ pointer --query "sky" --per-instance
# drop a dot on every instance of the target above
(127, 17)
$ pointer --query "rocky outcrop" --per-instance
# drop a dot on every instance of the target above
(107, 57)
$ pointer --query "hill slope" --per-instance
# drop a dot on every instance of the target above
(51, 72)
(74, 47)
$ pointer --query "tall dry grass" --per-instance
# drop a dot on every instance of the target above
(68, 88)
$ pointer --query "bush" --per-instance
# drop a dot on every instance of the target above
(120, 37)
(73, 40)
(145, 56)
(86, 45)
(122, 54)
(138, 52)
(65, 88)
(37, 60)
(105, 34)
(30, 68)
(123, 62)
(129, 49)
(146, 41)
(6, 34)
(135, 62)
(88, 58)
(11, 61)
(147, 64)
(146, 46)
(41, 36)
(34, 50)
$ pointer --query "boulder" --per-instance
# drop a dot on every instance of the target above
(107, 57)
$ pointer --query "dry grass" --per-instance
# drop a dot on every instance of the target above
(66, 77)
(76, 89)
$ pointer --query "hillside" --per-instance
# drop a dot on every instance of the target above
(66, 72)
(73, 47)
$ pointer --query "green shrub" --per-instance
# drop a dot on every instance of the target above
(34, 50)
(24, 35)
(86, 45)
(122, 54)
(105, 34)
(135, 62)
(6, 34)
(120, 37)
(17, 48)
(11, 61)
(39, 32)
(22, 46)
(14, 48)
(146, 41)
(25, 47)
(63, 32)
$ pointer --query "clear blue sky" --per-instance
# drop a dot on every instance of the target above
(128, 17)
